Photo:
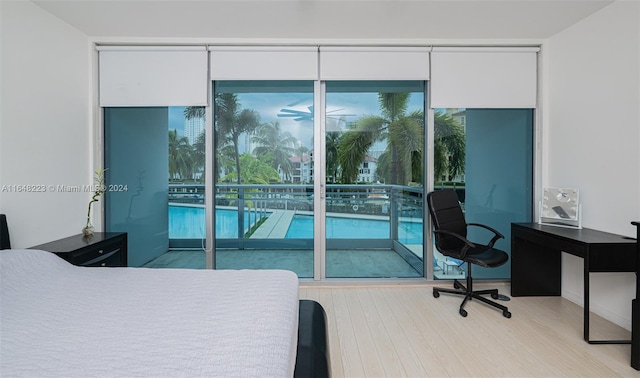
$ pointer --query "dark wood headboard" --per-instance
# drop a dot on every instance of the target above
(4, 233)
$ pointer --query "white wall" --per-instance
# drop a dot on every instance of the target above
(45, 134)
(591, 138)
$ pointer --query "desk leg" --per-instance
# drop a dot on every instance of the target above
(635, 334)
(586, 298)
(587, 312)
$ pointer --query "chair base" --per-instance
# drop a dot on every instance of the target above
(469, 294)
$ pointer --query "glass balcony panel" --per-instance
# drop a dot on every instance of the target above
(486, 155)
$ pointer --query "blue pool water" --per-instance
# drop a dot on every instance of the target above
(187, 222)
(301, 227)
(355, 228)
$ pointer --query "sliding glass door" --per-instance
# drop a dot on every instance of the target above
(264, 212)
(264, 193)
(375, 139)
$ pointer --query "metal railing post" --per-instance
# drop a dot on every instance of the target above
(241, 217)
(393, 220)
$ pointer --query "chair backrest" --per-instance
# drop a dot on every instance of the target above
(446, 215)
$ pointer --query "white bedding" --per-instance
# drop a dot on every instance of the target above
(60, 320)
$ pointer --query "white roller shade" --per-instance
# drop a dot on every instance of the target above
(483, 77)
(264, 63)
(374, 63)
(153, 76)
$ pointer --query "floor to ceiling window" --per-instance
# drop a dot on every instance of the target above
(264, 194)
(145, 148)
(157, 154)
(264, 175)
(484, 100)
(315, 159)
(486, 155)
(136, 158)
(374, 167)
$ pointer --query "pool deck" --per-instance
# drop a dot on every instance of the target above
(276, 225)
(278, 222)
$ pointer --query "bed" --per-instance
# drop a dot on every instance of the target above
(58, 319)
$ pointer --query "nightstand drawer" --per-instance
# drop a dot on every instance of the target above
(98, 255)
(101, 249)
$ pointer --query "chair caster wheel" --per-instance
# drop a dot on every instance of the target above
(463, 312)
(506, 314)
(436, 294)
(456, 285)
(494, 295)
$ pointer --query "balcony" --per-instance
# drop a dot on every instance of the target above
(362, 221)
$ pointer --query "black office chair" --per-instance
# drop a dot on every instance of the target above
(5, 243)
(450, 231)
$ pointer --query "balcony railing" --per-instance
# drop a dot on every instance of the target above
(382, 202)
(401, 207)
(341, 199)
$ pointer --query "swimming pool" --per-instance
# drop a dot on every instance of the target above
(301, 227)
(188, 222)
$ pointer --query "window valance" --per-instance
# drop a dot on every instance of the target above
(480, 77)
(152, 76)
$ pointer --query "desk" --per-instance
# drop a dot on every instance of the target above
(536, 260)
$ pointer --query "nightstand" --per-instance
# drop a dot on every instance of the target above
(100, 249)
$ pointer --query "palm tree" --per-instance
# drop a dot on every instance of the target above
(401, 162)
(225, 160)
(255, 171)
(231, 122)
(199, 154)
(332, 145)
(180, 156)
(193, 112)
(199, 147)
(403, 133)
(275, 146)
(448, 146)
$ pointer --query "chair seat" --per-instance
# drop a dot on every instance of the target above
(489, 258)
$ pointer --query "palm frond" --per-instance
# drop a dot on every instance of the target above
(393, 105)
(353, 148)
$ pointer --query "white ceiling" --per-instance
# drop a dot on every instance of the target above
(323, 19)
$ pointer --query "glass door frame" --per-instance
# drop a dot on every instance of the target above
(210, 182)
(319, 185)
(429, 183)
(319, 182)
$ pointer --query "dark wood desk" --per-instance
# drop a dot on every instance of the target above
(536, 265)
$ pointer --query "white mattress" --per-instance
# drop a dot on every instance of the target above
(66, 321)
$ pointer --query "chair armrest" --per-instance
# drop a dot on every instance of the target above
(497, 234)
(468, 244)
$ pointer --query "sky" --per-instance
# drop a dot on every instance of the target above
(341, 108)
(176, 119)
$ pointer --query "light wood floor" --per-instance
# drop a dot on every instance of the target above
(394, 331)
